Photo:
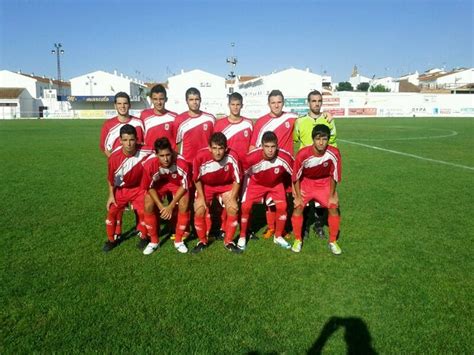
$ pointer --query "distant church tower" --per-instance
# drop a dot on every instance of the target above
(355, 72)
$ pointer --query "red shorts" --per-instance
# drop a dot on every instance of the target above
(167, 188)
(254, 193)
(134, 195)
(211, 191)
(317, 190)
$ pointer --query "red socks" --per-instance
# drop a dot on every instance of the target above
(333, 222)
(297, 222)
(181, 226)
(230, 228)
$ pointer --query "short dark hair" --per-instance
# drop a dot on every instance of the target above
(275, 93)
(128, 129)
(314, 92)
(158, 89)
(321, 130)
(218, 138)
(192, 91)
(235, 96)
(123, 95)
(269, 137)
(162, 144)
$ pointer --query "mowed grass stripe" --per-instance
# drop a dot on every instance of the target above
(402, 284)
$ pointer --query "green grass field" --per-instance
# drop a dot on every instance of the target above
(402, 284)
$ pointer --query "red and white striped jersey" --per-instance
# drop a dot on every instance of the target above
(238, 134)
(156, 176)
(157, 126)
(216, 173)
(110, 134)
(282, 126)
(308, 165)
(268, 173)
(193, 133)
(127, 170)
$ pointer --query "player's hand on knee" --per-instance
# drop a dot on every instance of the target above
(110, 201)
(298, 202)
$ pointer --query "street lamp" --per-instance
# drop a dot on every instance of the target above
(58, 51)
(90, 83)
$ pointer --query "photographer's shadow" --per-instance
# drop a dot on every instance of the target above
(356, 335)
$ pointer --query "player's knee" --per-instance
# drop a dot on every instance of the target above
(333, 210)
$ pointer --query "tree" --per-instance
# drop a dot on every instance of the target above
(344, 86)
(379, 88)
(363, 87)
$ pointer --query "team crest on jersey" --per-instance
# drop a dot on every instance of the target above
(246, 133)
(167, 127)
(325, 164)
(287, 124)
(174, 176)
(205, 126)
(276, 171)
(226, 168)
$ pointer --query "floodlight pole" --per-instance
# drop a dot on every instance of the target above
(58, 51)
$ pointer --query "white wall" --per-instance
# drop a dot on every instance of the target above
(212, 89)
(10, 79)
(101, 83)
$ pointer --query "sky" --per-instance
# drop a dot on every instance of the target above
(152, 40)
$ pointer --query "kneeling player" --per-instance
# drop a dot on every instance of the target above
(216, 173)
(265, 169)
(124, 178)
(165, 172)
(316, 172)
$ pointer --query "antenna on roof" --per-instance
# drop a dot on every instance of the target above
(232, 61)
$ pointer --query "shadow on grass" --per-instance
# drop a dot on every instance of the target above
(356, 335)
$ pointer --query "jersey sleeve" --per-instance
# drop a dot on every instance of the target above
(256, 128)
(184, 172)
(146, 182)
(103, 134)
(110, 172)
(297, 167)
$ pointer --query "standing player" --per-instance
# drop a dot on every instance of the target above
(110, 135)
(158, 121)
(216, 173)
(193, 127)
(282, 123)
(165, 172)
(265, 170)
(304, 125)
(316, 172)
(124, 177)
(237, 129)
(302, 138)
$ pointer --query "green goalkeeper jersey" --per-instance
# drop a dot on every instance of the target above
(304, 126)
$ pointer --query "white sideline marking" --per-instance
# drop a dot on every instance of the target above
(453, 133)
(408, 155)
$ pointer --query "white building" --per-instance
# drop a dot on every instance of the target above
(452, 80)
(34, 99)
(295, 85)
(212, 88)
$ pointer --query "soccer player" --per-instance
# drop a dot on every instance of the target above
(158, 121)
(302, 138)
(316, 172)
(124, 177)
(165, 172)
(238, 131)
(193, 127)
(282, 123)
(110, 134)
(304, 125)
(216, 173)
(265, 169)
